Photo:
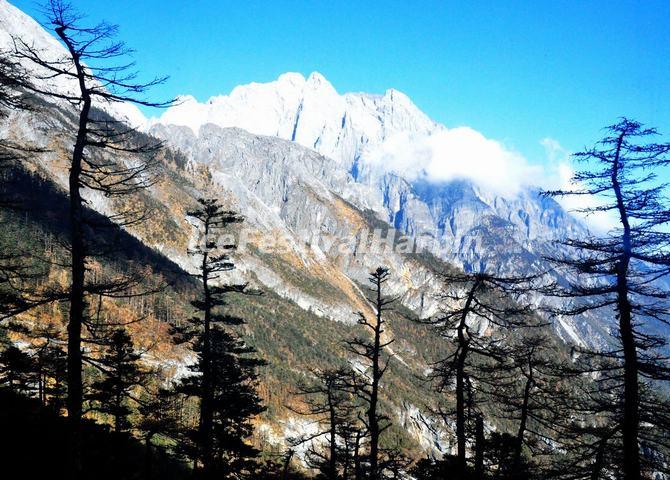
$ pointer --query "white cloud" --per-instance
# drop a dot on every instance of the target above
(464, 153)
(458, 153)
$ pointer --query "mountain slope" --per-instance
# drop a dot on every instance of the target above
(291, 324)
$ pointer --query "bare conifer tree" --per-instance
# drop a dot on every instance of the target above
(375, 356)
(328, 402)
(623, 272)
(478, 311)
(97, 68)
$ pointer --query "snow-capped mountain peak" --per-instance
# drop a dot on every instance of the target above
(308, 111)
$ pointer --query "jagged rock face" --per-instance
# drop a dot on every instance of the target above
(348, 129)
(278, 173)
(478, 230)
(298, 195)
(293, 193)
(457, 220)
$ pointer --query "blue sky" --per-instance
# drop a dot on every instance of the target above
(517, 71)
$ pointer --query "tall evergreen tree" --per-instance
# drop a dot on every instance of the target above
(587, 442)
(214, 258)
(477, 314)
(159, 418)
(620, 272)
(17, 370)
(51, 366)
(328, 401)
(530, 392)
(122, 374)
(533, 407)
(235, 404)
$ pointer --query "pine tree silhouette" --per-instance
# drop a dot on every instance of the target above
(159, 418)
(621, 271)
(122, 373)
(51, 364)
(17, 370)
(220, 445)
(479, 311)
(375, 356)
(328, 401)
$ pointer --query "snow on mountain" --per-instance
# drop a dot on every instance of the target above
(308, 111)
(366, 156)
(389, 158)
(16, 26)
(369, 135)
(428, 179)
(421, 177)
